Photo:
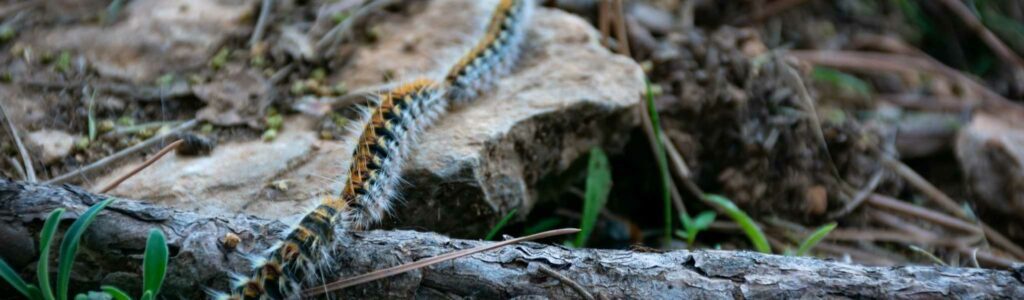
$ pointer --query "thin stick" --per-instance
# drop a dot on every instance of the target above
(950, 205)
(904, 208)
(343, 30)
(927, 254)
(986, 36)
(924, 186)
(859, 197)
(379, 274)
(123, 153)
(648, 125)
(679, 166)
(566, 280)
(26, 160)
(870, 61)
(987, 258)
(875, 235)
(148, 162)
(261, 23)
(895, 222)
(620, 28)
(1000, 240)
(792, 78)
(17, 168)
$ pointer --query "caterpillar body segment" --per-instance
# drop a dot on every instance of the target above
(391, 127)
(495, 53)
(365, 197)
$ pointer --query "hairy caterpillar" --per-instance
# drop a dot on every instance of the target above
(387, 131)
(495, 53)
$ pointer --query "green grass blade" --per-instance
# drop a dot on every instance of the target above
(69, 246)
(154, 264)
(813, 239)
(12, 278)
(497, 227)
(115, 293)
(599, 183)
(751, 229)
(45, 237)
(842, 81)
(148, 295)
(662, 159)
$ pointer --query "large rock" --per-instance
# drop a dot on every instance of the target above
(477, 163)
(991, 154)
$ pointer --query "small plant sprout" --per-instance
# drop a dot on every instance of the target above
(599, 183)
(748, 225)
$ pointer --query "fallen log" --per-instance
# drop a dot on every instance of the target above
(112, 248)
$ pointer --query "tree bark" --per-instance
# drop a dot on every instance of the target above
(112, 248)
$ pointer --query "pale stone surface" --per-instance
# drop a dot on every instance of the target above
(49, 145)
(154, 36)
(475, 165)
(274, 179)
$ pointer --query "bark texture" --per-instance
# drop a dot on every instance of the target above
(112, 248)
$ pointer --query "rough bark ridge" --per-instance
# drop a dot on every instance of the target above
(112, 247)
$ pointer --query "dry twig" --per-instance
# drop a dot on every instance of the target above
(30, 172)
(990, 39)
(123, 153)
(341, 32)
(859, 197)
(375, 275)
(261, 23)
(138, 169)
(648, 125)
(565, 280)
(875, 62)
(950, 205)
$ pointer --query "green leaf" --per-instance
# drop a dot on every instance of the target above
(45, 237)
(148, 295)
(12, 278)
(842, 81)
(691, 231)
(34, 291)
(69, 246)
(599, 183)
(115, 292)
(154, 263)
(704, 220)
(751, 229)
(814, 238)
(694, 226)
(662, 160)
(497, 227)
(81, 297)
